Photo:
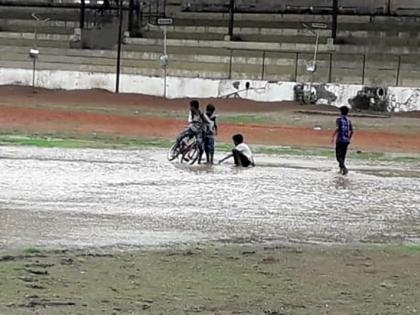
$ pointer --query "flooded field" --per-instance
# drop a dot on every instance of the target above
(59, 198)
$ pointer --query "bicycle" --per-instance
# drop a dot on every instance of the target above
(187, 150)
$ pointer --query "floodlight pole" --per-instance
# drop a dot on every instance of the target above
(316, 49)
(164, 59)
(33, 74)
(34, 52)
(314, 67)
(165, 72)
(117, 81)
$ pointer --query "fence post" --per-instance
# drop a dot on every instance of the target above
(363, 69)
(296, 65)
(334, 19)
(82, 14)
(231, 18)
(398, 71)
(120, 24)
(130, 17)
(150, 11)
(263, 66)
(330, 69)
(230, 65)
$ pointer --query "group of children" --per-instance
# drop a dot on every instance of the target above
(203, 127)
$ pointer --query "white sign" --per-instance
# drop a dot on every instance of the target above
(319, 25)
(165, 21)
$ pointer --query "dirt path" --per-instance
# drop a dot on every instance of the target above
(89, 112)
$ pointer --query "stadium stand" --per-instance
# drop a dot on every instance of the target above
(369, 49)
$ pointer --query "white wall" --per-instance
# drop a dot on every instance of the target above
(403, 99)
(400, 98)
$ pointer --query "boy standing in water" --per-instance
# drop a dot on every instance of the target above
(342, 134)
(210, 131)
(241, 154)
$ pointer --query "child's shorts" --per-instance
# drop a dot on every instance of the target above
(209, 145)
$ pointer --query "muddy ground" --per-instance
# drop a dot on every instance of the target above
(95, 112)
(107, 232)
(59, 198)
(212, 279)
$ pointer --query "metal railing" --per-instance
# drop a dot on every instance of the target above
(332, 68)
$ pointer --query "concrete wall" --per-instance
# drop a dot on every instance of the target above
(396, 98)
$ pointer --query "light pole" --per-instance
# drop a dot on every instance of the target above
(34, 52)
(164, 59)
(312, 66)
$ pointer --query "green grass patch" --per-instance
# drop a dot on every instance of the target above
(404, 248)
(105, 141)
(94, 141)
(11, 268)
(247, 119)
(43, 142)
(31, 251)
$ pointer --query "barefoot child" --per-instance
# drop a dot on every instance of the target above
(196, 121)
(342, 134)
(210, 131)
(241, 154)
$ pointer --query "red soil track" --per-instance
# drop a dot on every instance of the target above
(19, 113)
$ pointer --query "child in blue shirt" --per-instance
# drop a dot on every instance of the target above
(342, 135)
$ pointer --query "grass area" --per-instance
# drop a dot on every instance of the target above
(213, 279)
(325, 122)
(31, 251)
(402, 248)
(118, 142)
(48, 141)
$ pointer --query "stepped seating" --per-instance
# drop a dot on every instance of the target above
(268, 47)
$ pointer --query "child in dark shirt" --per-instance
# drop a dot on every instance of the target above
(210, 130)
(342, 135)
(196, 121)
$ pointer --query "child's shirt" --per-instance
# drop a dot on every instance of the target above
(344, 128)
(211, 125)
(245, 150)
(195, 121)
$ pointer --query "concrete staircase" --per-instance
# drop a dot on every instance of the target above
(379, 51)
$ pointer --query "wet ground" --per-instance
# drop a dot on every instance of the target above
(74, 198)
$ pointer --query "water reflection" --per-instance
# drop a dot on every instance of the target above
(342, 182)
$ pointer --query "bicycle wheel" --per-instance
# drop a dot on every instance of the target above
(190, 154)
(173, 152)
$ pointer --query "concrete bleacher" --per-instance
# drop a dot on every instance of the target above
(380, 50)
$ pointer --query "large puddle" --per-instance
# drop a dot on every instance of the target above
(73, 198)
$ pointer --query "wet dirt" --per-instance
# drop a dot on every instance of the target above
(209, 280)
(79, 228)
(65, 198)
(278, 123)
